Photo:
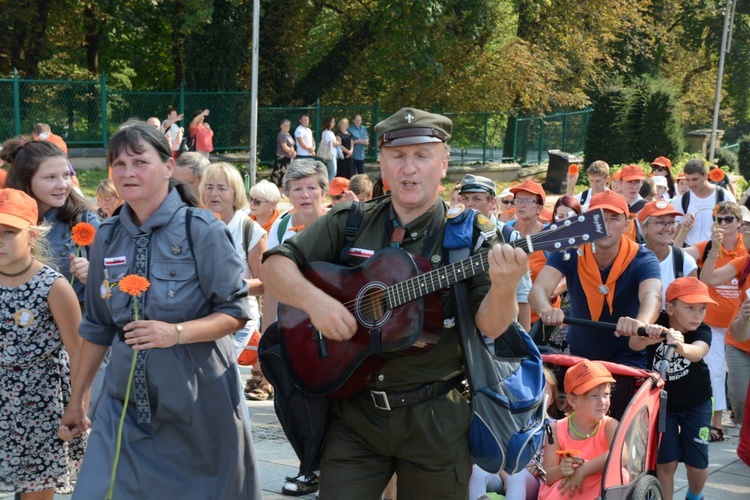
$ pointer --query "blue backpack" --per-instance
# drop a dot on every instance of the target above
(507, 392)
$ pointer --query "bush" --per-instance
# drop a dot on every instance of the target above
(726, 158)
(743, 158)
(607, 136)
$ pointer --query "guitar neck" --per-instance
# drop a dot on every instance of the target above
(433, 281)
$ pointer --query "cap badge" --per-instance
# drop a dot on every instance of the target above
(408, 118)
(661, 205)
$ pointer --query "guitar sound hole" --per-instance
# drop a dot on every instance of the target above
(372, 305)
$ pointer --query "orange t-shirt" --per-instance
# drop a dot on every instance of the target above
(727, 296)
(739, 264)
(537, 260)
(58, 141)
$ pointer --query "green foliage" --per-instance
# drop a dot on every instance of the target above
(743, 157)
(727, 158)
(608, 134)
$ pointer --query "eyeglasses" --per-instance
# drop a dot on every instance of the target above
(525, 201)
(256, 202)
(661, 224)
(726, 220)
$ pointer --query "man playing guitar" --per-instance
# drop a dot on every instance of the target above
(410, 418)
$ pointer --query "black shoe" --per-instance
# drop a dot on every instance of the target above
(301, 485)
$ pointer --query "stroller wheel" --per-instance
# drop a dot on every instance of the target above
(646, 488)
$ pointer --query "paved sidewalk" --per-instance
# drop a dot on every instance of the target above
(729, 477)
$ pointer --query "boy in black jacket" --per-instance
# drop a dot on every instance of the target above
(687, 382)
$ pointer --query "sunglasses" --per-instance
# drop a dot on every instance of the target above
(337, 197)
(657, 167)
(507, 202)
(726, 220)
(257, 202)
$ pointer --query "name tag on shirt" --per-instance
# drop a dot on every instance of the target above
(362, 253)
(115, 261)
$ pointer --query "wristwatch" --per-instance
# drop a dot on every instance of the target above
(179, 329)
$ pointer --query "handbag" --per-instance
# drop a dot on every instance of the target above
(324, 150)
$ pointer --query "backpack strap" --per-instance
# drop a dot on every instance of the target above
(685, 201)
(353, 224)
(719, 194)
(678, 261)
(705, 251)
(585, 196)
(507, 232)
(283, 225)
(247, 233)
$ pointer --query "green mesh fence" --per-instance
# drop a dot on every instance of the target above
(86, 113)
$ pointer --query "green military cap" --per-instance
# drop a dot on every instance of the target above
(477, 184)
(413, 126)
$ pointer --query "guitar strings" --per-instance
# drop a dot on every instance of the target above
(382, 302)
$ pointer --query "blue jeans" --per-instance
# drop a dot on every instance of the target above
(331, 164)
(359, 166)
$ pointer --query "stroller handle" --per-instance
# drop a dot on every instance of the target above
(603, 325)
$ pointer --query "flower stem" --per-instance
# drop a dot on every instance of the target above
(73, 276)
(122, 415)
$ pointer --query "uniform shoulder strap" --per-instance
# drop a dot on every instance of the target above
(719, 194)
(353, 224)
(585, 196)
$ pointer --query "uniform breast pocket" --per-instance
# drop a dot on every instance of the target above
(108, 287)
(175, 280)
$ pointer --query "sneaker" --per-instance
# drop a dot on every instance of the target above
(301, 485)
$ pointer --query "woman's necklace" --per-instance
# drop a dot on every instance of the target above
(580, 434)
(20, 273)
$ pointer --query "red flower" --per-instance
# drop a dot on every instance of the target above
(716, 175)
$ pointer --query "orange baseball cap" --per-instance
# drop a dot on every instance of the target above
(632, 173)
(584, 376)
(530, 187)
(338, 185)
(681, 176)
(690, 290)
(17, 209)
(662, 161)
(657, 208)
(616, 176)
(609, 200)
(546, 215)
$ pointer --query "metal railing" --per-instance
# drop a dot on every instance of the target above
(86, 113)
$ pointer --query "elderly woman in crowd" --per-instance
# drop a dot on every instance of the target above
(175, 444)
(264, 204)
(223, 192)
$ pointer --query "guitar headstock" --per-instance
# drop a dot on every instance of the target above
(571, 232)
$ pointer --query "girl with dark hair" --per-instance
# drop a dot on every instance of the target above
(40, 169)
(186, 433)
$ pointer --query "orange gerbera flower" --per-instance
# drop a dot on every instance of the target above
(83, 234)
(217, 215)
(134, 285)
(574, 169)
(716, 175)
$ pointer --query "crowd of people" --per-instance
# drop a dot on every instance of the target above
(131, 391)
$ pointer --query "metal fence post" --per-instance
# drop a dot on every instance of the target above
(105, 126)
(182, 99)
(16, 103)
(565, 131)
(317, 119)
(484, 140)
(541, 140)
(515, 140)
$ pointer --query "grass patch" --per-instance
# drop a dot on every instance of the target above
(89, 179)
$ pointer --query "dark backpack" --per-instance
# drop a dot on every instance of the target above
(678, 261)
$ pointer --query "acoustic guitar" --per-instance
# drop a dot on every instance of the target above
(392, 296)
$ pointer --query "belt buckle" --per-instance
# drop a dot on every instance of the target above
(378, 397)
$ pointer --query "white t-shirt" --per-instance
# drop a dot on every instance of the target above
(589, 195)
(703, 209)
(235, 229)
(173, 135)
(307, 135)
(667, 272)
